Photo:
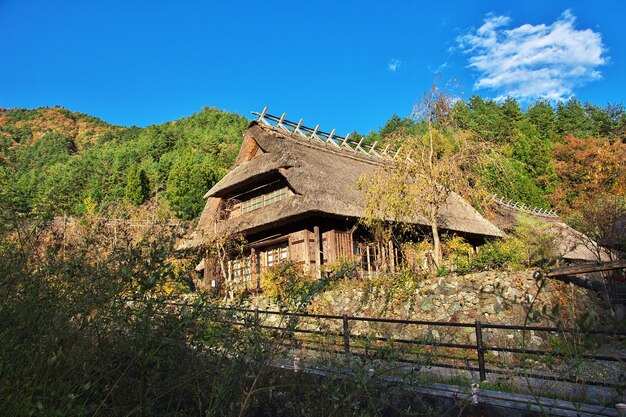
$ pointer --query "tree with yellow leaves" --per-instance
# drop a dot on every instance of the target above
(425, 171)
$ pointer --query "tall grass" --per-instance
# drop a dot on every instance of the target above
(90, 325)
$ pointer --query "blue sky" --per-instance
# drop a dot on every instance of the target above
(345, 65)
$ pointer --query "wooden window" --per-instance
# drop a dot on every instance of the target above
(367, 258)
(262, 200)
(241, 269)
(252, 204)
(276, 254)
(275, 196)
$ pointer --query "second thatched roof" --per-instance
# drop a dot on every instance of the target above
(572, 245)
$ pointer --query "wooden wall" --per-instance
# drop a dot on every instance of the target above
(310, 247)
(336, 245)
(302, 248)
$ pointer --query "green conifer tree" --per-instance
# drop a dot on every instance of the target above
(137, 186)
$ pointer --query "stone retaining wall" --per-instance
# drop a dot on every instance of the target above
(496, 297)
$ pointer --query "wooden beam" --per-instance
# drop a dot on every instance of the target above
(318, 251)
(330, 137)
(397, 152)
(392, 261)
(369, 263)
(331, 244)
(345, 140)
(307, 251)
(256, 276)
(372, 150)
(206, 277)
(358, 147)
(262, 115)
(314, 134)
(280, 123)
(586, 268)
(297, 128)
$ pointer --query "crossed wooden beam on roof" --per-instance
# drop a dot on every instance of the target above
(342, 142)
(523, 207)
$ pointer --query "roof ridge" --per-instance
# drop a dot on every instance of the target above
(344, 153)
(347, 146)
(525, 208)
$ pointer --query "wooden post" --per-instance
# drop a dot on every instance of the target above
(330, 254)
(392, 262)
(318, 251)
(373, 147)
(369, 265)
(255, 274)
(313, 135)
(345, 140)
(346, 334)
(230, 272)
(289, 248)
(358, 146)
(480, 350)
(330, 137)
(307, 251)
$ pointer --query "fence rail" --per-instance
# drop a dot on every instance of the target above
(348, 339)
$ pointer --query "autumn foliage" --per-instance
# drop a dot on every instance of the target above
(587, 168)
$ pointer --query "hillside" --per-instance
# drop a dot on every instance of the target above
(56, 161)
(29, 126)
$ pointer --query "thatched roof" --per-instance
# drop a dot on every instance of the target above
(324, 179)
(572, 245)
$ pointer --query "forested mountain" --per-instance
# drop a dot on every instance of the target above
(56, 161)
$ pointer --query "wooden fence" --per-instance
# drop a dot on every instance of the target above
(348, 339)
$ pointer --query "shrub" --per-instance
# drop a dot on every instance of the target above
(531, 243)
(88, 328)
(413, 254)
(456, 250)
(344, 268)
(502, 253)
(291, 287)
(537, 241)
(287, 284)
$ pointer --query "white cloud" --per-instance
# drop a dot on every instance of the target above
(533, 61)
(394, 64)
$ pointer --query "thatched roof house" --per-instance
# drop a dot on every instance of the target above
(573, 246)
(293, 195)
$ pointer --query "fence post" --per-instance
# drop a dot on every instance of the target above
(480, 350)
(256, 317)
(346, 334)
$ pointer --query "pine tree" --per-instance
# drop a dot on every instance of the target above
(572, 119)
(191, 175)
(137, 186)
